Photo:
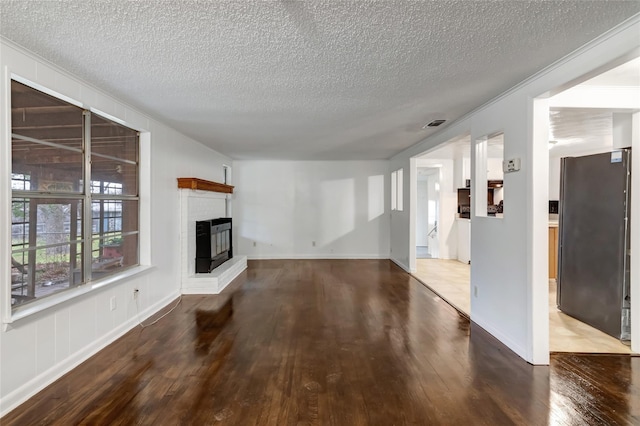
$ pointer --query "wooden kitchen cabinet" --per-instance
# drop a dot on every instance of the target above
(553, 252)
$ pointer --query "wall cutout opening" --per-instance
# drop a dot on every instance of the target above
(488, 196)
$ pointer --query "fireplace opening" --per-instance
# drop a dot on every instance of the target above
(213, 244)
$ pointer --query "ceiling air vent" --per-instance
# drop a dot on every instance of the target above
(434, 123)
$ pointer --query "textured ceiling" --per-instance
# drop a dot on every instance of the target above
(306, 80)
(572, 131)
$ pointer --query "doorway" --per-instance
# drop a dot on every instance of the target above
(442, 231)
(583, 125)
(576, 126)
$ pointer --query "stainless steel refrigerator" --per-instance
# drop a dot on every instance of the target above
(593, 256)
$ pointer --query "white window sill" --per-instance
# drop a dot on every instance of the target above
(55, 299)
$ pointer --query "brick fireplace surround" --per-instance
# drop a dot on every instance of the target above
(203, 200)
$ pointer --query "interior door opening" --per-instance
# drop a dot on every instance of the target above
(442, 228)
(594, 132)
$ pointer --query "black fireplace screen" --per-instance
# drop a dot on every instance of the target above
(213, 243)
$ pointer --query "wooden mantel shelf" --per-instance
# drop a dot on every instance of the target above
(204, 185)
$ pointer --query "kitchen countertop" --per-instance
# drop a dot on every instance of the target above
(553, 223)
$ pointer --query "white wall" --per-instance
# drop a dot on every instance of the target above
(40, 348)
(554, 178)
(433, 199)
(403, 254)
(494, 169)
(285, 206)
(509, 265)
(447, 231)
(462, 171)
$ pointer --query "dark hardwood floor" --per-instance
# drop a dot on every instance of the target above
(337, 342)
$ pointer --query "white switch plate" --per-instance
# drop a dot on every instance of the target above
(512, 165)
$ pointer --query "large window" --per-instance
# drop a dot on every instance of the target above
(65, 233)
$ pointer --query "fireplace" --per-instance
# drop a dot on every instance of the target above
(206, 247)
(213, 243)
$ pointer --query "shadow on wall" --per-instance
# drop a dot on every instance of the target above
(376, 196)
(338, 210)
(342, 210)
(315, 216)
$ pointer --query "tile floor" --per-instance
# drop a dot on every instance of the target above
(450, 279)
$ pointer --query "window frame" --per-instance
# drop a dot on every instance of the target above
(394, 190)
(397, 189)
(7, 193)
(400, 190)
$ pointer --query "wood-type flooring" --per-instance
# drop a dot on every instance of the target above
(335, 342)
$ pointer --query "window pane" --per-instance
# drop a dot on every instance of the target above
(43, 258)
(114, 217)
(113, 177)
(394, 187)
(19, 220)
(110, 255)
(51, 223)
(20, 182)
(112, 139)
(46, 146)
(114, 156)
(41, 272)
(399, 190)
(111, 250)
(55, 220)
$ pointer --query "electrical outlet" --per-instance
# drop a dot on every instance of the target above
(112, 303)
(475, 291)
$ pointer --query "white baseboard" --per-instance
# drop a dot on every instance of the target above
(315, 256)
(402, 265)
(503, 338)
(41, 381)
